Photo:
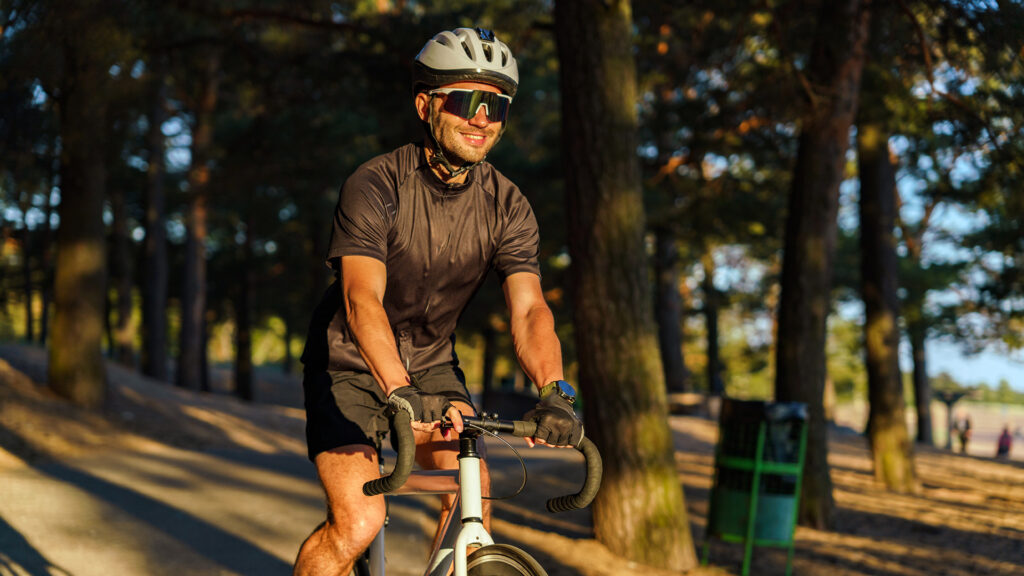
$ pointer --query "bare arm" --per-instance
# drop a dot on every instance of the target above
(363, 282)
(533, 329)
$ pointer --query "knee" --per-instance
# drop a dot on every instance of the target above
(355, 529)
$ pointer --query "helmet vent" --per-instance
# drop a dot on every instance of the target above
(469, 52)
(487, 52)
(504, 57)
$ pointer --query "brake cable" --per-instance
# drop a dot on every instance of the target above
(522, 463)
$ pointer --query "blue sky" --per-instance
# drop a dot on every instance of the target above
(989, 367)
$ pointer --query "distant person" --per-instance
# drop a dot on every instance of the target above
(964, 429)
(1004, 444)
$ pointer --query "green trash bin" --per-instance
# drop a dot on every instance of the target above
(758, 466)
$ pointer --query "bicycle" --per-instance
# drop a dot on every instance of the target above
(489, 558)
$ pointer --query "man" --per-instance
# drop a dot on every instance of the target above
(415, 233)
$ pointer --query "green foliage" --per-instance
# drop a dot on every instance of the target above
(311, 89)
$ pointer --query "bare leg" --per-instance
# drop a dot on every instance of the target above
(433, 453)
(352, 518)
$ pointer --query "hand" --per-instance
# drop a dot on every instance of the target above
(425, 410)
(557, 424)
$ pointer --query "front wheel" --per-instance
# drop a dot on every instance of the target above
(502, 560)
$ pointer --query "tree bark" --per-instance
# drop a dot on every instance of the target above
(26, 265)
(922, 386)
(887, 424)
(640, 511)
(46, 264)
(124, 330)
(716, 385)
(833, 74)
(243, 322)
(669, 312)
(76, 367)
(154, 261)
(192, 359)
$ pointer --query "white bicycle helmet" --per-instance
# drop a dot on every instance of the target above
(465, 54)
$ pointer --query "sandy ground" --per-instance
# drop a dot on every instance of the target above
(166, 481)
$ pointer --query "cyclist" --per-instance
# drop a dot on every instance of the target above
(415, 233)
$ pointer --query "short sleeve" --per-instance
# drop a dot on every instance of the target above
(363, 217)
(519, 245)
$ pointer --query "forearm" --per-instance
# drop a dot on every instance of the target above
(537, 346)
(368, 324)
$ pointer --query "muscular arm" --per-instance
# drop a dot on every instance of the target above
(533, 329)
(363, 282)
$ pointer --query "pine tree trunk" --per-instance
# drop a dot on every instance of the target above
(716, 385)
(243, 322)
(46, 263)
(192, 360)
(834, 72)
(887, 424)
(154, 261)
(640, 511)
(124, 336)
(76, 367)
(922, 386)
(668, 310)
(26, 266)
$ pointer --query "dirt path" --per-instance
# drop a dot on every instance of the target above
(172, 482)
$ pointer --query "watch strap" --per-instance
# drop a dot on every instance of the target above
(548, 389)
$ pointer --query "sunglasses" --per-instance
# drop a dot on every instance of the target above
(466, 103)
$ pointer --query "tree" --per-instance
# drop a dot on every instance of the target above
(154, 258)
(91, 40)
(669, 311)
(887, 429)
(832, 86)
(639, 512)
(192, 357)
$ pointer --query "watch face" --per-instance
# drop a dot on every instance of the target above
(566, 390)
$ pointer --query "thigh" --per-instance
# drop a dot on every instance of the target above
(343, 471)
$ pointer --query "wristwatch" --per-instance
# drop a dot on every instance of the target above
(560, 387)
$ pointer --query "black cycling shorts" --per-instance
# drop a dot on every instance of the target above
(345, 408)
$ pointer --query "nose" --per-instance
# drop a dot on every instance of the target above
(480, 118)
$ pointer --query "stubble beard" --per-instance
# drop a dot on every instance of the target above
(455, 149)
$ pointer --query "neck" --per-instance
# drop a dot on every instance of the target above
(439, 169)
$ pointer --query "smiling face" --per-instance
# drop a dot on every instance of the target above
(464, 141)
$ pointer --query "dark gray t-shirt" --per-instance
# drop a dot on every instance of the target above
(438, 244)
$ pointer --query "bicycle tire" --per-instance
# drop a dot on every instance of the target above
(502, 560)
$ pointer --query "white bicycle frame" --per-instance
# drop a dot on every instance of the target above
(469, 502)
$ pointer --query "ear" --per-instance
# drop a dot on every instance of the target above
(422, 104)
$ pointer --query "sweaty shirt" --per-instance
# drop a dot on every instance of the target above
(438, 244)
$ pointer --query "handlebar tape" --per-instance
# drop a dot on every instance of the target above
(406, 447)
(586, 495)
(591, 484)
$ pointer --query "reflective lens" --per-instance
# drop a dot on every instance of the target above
(466, 103)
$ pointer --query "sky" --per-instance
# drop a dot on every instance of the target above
(988, 367)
